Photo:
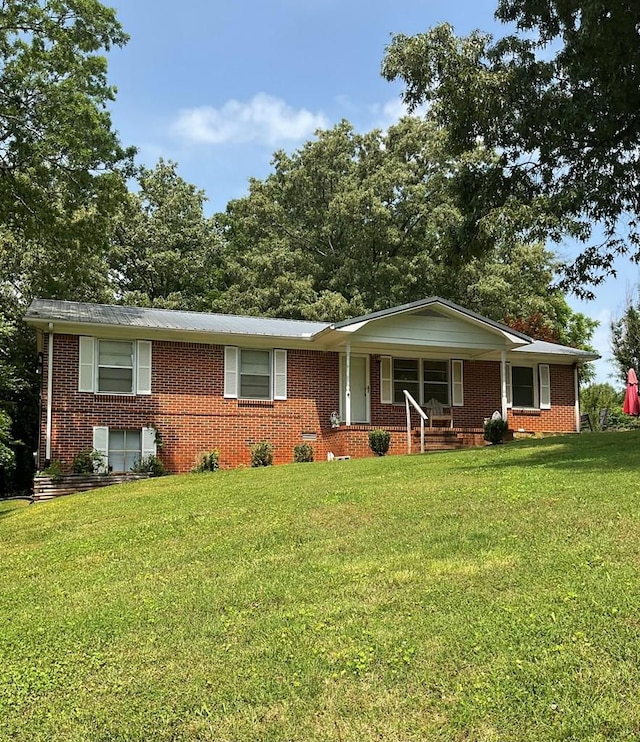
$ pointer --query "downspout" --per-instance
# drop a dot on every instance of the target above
(576, 381)
(347, 387)
(503, 382)
(49, 395)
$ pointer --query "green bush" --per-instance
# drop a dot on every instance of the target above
(208, 461)
(379, 441)
(494, 430)
(262, 454)
(86, 462)
(302, 453)
(55, 470)
(150, 465)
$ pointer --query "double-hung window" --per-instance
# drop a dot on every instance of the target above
(435, 375)
(255, 374)
(406, 375)
(529, 387)
(251, 373)
(115, 366)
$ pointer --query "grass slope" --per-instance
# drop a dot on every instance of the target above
(478, 595)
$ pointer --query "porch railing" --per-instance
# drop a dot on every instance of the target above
(408, 399)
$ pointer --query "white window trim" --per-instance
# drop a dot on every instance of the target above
(536, 386)
(97, 366)
(276, 356)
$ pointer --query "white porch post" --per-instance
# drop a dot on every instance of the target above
(503, 382)
(576, 382)
(347, 387)
(47, 450)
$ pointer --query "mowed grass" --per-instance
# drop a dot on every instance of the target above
(479, 595)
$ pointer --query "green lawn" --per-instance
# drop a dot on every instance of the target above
(489, 594)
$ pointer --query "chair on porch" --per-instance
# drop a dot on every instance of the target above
(439, 413)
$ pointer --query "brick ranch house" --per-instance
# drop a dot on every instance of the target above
(119, 378)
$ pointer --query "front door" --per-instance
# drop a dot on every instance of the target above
(359, 388)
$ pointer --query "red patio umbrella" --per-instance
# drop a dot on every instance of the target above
(631, 404)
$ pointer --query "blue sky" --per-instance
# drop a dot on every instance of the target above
(218, 87)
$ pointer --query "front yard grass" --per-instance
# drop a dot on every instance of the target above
(484, 595)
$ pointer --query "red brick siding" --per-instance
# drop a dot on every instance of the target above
(188, 408)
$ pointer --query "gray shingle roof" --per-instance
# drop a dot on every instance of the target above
(168, 319)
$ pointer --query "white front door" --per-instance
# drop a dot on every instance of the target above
(359, 366)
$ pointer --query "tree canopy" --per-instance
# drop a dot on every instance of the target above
(352, 223)
(164, 251)
(625, 340)
(559, 99)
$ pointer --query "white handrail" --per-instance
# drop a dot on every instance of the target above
(423, 416)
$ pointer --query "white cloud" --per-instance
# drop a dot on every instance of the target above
(391, 112)
(264, 120)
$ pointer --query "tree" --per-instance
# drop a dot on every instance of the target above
(164, 251)
(56, 141)
(560, 100)
(353, 223)
(625, 341)
(62, 174)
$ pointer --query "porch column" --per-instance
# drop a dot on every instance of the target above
(47, 450)
(347, 387)
(576, 383)
(503, 382)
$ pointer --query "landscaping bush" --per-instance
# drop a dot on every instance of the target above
(262, 454)
(208, 461)
(150, 465)
(86, 462)
(55, 470)
(494, 430)
(302, 453)
(379, 441)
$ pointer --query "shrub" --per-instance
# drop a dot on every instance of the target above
(55, 470)
(379, 441)
(86, 462)
(208, 461)
(302, 453)
(150, 465)
(262, 454)
(494, 430)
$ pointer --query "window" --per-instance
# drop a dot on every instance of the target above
(522, 386)
(424, 379)
(125, 449)
(435, 376)
(121, 449)
(529, 387)
(255, 374)
(115, 366)
(405, 376)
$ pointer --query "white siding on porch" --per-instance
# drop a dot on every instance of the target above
(430, 331)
